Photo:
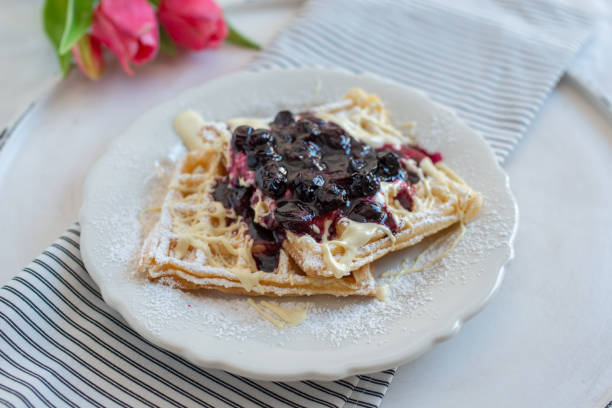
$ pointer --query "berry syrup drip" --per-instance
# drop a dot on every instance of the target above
(266, 242)
(316, 172)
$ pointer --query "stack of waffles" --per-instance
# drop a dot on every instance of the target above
(201, 242)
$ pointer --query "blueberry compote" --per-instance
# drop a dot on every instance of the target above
(314, 171)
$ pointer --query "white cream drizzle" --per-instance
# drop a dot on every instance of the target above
(382, 292)
(198, 134)
(367, 129)
(418, 265)
(247, 278)
(188, 125)
(354, 236)
(386, 195)
(284, 317)
(262, 208)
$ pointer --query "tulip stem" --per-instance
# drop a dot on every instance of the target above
(165, 42)
(236, 37)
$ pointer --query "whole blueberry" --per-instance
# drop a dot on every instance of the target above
(239, 137)
(356, 165)
(294, 215)
(341, 178)
(306, 184)
(284, 118)
(330, 197)
(367, 211)
(271, 178)
(300, 150)
(309, 148)
(361, 150)
(336, 138)
(388, 165)
(307, 127)
(259, 137)
(363, 185)
(261, 155)
(365, 164)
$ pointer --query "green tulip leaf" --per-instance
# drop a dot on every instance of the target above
(236, 37)
(54, 21)
(77, 22)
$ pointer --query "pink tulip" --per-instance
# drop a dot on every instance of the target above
(87, 53)
(128, 28)
(194, 24)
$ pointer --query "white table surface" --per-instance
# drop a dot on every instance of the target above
(545, 340)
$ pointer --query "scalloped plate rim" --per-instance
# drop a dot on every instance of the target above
(451, 325)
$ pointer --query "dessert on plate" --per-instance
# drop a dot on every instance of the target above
(299, 204)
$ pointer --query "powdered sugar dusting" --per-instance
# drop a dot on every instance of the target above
(130, 180)
(331, 322)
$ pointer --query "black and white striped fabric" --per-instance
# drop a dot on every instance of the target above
(494, 62)
(61, 345)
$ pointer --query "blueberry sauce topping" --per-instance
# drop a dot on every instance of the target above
(313, 171)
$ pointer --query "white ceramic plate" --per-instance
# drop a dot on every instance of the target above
(341, 337)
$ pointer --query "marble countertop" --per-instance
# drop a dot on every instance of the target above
(543, 341)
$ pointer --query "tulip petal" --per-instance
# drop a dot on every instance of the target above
(133, 17)
(220, 34)
(193, 24)
(87, 53)
(129, 29)
(104, 30)
(199, 9)
(147, 48)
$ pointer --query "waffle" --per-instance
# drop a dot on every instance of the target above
(182, 251)
(441, 199)
(199, 244)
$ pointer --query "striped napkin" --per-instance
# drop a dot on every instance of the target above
(494, 62)
(61, 345)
